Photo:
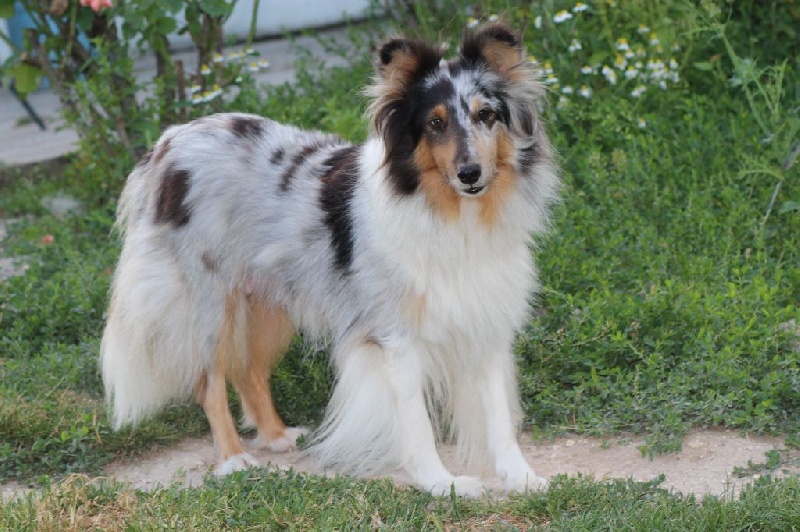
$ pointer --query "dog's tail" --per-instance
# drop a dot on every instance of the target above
(161, 330)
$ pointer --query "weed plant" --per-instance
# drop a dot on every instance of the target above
(670, 278)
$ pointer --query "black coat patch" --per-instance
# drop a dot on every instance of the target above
(145, 158)
(161, 149)
(527, 157)
(209, 262)
(307, 151)
(170, 207)
(336, 195)
(247, 127)
(277, 156)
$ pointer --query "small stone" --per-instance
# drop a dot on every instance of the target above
(62, 205)
(792, 327)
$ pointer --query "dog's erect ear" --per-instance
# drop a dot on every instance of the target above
(497, 45)
(400, 60)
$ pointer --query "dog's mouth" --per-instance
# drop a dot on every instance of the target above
(472, 191)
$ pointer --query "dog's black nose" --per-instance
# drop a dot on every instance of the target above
(469, 173)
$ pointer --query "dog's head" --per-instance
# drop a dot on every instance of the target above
(456, 129)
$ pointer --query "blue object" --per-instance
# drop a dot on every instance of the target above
(21, 21)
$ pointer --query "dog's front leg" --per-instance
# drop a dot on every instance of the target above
(499, 400)
(419, 457)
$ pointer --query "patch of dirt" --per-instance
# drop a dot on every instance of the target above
(704, 466)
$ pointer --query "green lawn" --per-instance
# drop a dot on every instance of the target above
(673, 263)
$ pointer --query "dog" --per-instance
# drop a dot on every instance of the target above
(411, 254)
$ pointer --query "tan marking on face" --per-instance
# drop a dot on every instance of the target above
(475, 105)
(504, 182)
(435, 162)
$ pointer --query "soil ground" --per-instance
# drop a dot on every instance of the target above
(704, 466)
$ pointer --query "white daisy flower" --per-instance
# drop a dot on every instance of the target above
(580, 6)
(550, 80)
(562, 16)
(638, 91)
(548, 68)
(585, 91)
(472, 22)
(609, 74)
(642, 123)
(537, 22)
(654, 40)
(567, 89)
(574, 46)
(643, 29)
(562, 102)
(622, 45)
(205, 70)
(631, 73)
(587, 70)
(493, 18)
(218, 58)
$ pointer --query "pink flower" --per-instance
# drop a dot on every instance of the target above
(97, 5)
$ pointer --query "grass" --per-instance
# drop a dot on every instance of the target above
(261, 500)
(669, 272)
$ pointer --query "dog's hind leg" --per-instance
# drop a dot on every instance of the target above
(212, 393)
(269, 333)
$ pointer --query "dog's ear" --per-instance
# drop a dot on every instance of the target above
(496, 45)
(399, 60)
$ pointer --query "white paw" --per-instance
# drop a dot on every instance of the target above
(527, 481)
(464, 486)
(237, 462)
(287, 442)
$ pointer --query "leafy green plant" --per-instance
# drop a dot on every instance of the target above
(87, 57)
(770, 99)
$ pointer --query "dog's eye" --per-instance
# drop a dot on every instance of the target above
(485, 115)
(436, 124)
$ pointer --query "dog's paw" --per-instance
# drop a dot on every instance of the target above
(287, 442)
(464, 486)
(237, 462)
(526, 481)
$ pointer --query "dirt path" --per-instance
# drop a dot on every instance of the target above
(704, 466)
